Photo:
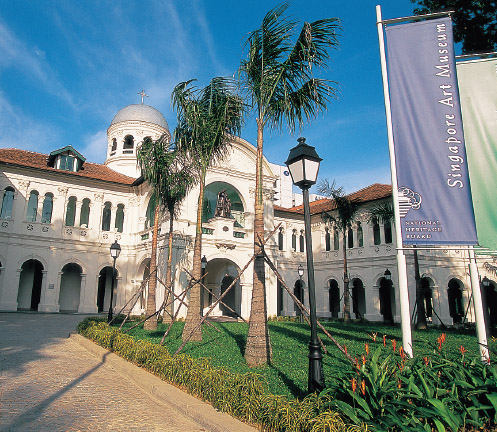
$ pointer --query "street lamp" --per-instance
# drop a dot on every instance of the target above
(388, 275)
(300, 271)
(203, 263)
(303, 164)
(486, 282)
(115, 250)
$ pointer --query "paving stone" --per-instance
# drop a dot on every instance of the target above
(50, 383)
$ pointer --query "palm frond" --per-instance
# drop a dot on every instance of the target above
(381, 212)
(345, 208)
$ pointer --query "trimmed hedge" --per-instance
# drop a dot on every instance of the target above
(244, 396)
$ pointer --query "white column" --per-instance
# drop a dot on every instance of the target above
(478, 305)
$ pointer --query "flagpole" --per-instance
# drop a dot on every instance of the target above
(478, 305)
(401, 258)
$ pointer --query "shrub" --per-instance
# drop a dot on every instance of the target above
(390, 391)
(242, 395)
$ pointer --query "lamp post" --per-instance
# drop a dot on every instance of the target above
(300, 271)
(115, 250)
(303, 164)
(203, 263)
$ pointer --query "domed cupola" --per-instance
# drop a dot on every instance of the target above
(129, 127)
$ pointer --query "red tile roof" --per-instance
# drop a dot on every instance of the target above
(24, 158)
(370, 193)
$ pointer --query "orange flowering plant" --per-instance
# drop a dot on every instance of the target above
(388, 390)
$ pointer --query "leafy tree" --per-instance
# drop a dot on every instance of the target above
(207, 119)
(278, 77)
(475, 21)
(342, 216)
(170, 179)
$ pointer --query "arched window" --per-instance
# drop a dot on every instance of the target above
(376, 232)
(84, 218)
(280, 239)
(336, 239)
(114, 145)
(71, 211)
(350, 237)
(106, 216)
(32, 211)
(7, 203)
(46, 212)
(360, 236)
(149, 221)
(387, 227)
(129, 143)
(327, 240)
(301, 240)
(294, 240)
(119, 218)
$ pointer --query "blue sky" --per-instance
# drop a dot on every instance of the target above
(66, 68)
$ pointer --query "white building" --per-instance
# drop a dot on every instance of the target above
(60, 214)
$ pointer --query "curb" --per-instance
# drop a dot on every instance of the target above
(197, 410)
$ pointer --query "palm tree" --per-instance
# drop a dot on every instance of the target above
(207, 119)
(342, 215)
(169, 177)
(278, 77)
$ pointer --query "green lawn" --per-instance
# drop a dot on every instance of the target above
(288, 373)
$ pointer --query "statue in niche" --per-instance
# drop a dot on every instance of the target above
(223, 206)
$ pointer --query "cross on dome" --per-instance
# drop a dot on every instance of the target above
(143, 94)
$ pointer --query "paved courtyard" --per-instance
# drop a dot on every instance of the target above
(49, 382)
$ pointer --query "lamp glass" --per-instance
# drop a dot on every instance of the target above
(388, 275)
(115, 250)
(486, 282)
(203, 262)
(301, 270)
(311, 168)
(297, 170)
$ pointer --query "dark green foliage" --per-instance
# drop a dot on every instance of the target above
(243, 395)
(475, 21)
(440, 391)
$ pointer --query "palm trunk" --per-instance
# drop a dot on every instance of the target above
(168, 295)
(421, 321)
(346, 296)
(193, 315)
(151, 324)
(258, 348)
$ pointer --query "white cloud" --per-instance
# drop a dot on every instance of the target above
(22, 132)
(95, 148)
(31, 62)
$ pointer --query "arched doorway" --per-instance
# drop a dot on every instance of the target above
(70, 288)
(30, 280)
(229, 299)
(454, 296)
(334, 298)
(426, 294)
(104, 287)
(387, 300)
(491, 303)
(219, 275)
(298, 291)
(358, 299)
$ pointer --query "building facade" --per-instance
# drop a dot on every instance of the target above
(60, 214)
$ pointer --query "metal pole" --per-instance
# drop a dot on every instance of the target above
(478, 305)
(316, 378)
(401, 258)
(109, 316)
